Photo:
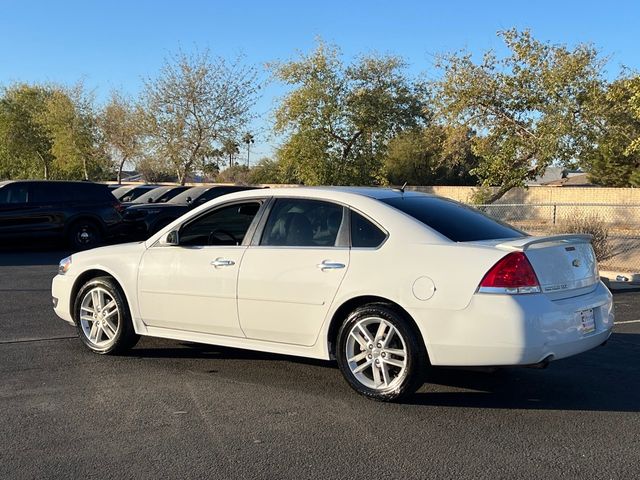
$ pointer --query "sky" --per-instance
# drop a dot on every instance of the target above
(114, 44)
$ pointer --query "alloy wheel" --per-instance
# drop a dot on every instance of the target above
(99, 317)
(376, 354)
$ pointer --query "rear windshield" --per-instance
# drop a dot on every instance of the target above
(452, 219)
(192, 193)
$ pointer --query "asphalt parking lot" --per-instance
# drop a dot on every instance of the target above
(176, 410)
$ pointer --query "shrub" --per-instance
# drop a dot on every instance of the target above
(593, 225)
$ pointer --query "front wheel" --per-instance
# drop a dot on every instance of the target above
(380, 353)
(102, 317)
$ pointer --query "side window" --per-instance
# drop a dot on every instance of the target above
(302, 223)
(223, 226)
(14, 193)
(365, 234)
(43, 192)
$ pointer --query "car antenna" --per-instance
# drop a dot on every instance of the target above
(402, 187)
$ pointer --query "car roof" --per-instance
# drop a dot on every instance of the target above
(336, 193)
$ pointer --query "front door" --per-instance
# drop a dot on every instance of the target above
(192, 286)
(288, 281)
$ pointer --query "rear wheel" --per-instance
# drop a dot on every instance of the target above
(102, 317)
(84, 234)
(380, 353)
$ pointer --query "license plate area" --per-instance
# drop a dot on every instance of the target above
(586, 321)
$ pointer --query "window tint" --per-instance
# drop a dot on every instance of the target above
(453, 220)
(303, 223)
(364, 233)
(44, 192)
(14, 193)
(91, 192)
(223, 226)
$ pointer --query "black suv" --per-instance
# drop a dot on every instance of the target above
(83, 213)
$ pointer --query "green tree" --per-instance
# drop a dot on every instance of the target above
(266, 170)
(72, 124)
(120, 122)
(25, 142)
(194, 103)
(433, 155)
(49, 132)
(615, 160)
(530, 108)
(234, 174)
(338, 119)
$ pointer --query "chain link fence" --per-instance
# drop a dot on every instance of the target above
(616, 228)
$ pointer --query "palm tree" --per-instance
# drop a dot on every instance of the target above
(248, 139)
(230, 148)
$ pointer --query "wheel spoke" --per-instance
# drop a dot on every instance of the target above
(87, 309)
(106, 328)
(110, 309)
(385, 373)
(381, 329)
(87, 318)
(94, 333)
(394, 362)
(377, 380)
(395, 351)
(390, 335)
(358, 357)
(362, 367)
(109, 328)
(365, 333)
(360, 340)
(95, 299)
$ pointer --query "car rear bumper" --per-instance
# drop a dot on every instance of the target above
(516, 329)
(61, 286)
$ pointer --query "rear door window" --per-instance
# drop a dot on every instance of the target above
(303, 223)
(452, 219)
(50, 193)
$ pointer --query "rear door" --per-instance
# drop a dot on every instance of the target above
(290, 275)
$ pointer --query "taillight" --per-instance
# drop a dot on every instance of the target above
(512, 274)
(119, 207)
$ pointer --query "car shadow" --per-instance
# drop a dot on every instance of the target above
(604, 379)
(211, 352)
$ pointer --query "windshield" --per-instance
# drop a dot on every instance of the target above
(152, 195)
(194, 193)
(454, 220)
(118, 192)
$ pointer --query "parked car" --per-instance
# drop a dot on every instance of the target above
(83, 213)
(144, 220)
(158, 195)
(386, 282)
(128, 193)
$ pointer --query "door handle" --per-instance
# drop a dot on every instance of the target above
(222, 262)
(329, 265)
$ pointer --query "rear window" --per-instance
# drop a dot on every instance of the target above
(455, 221)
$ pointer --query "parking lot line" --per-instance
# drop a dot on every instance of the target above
(627, 321)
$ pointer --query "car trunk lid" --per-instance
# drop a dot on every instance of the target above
(564, 264)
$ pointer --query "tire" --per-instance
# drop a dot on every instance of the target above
(112, 330)
(381, 373)
(84, 234)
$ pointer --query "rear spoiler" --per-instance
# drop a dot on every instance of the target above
(522, 244)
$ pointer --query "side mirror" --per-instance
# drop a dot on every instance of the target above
(189, 200)
(170, 239)
(149, 200)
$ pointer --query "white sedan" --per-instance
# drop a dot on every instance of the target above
(386, 282)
